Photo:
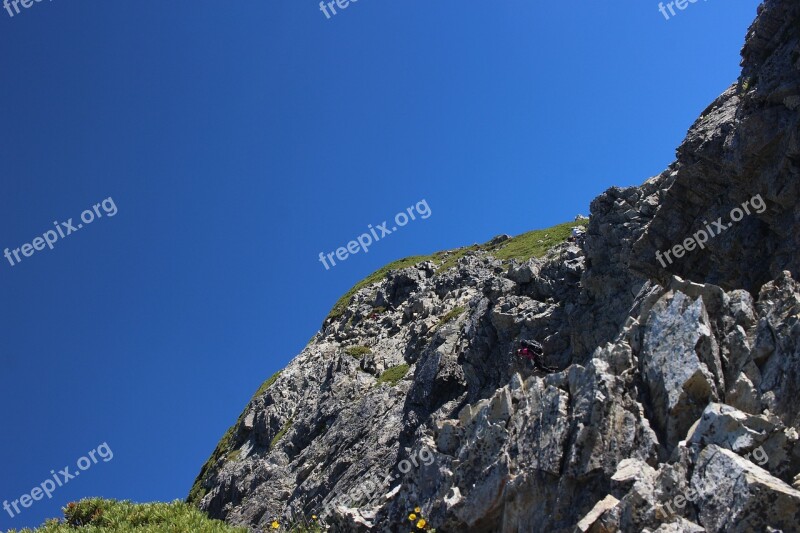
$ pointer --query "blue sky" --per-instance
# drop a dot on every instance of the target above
(239, 140)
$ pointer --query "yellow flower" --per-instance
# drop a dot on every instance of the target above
(313, 517)
(412, 517)
(417, 510)
(421, 523)
(275, 525)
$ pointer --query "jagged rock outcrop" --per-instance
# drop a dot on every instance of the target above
(674, 405)
(744, 144)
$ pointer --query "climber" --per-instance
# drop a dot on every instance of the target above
(577, 234)
(533, 351)
(530, 350)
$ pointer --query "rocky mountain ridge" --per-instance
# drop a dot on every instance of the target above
(674, 405)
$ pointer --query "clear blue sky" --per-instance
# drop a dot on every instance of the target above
(238, 140)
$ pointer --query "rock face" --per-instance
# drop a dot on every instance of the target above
(674, 407)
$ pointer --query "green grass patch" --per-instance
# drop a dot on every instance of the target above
(451, 260)
(393, 375)
(224, 449)
(357, 351)
(522, 247)
(281, 433)
(455, 313)
(378, 275)
(535, 243)
(108, 516)
(267, 384)
(234, 455)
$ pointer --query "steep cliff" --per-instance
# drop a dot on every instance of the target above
(673, 407)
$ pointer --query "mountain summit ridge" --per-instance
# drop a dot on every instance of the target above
(673, 405)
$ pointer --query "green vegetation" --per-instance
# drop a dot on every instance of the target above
(267, 384)
(224, 449)
(108, 516)
(523, 247)
(453, 257)
(281, 433)
(378, 275)
(234, 455)
(535, 243)
(304, 525)
(393, 375)
(357, 351)
(458, 311)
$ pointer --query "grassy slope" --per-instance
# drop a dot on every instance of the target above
(224, 449)
(96, 515)
(521, 248)
(341, 305)
(107, 516)
(534, 243)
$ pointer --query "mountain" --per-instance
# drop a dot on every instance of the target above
(673, 326)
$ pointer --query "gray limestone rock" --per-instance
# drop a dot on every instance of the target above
(673, 406)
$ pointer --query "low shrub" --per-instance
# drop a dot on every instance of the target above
(393, 375)
(96, 515)
(357, 351)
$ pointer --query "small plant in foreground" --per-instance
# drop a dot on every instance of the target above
(418, 522)
(302, 525)
(96, 515)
